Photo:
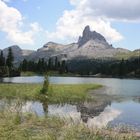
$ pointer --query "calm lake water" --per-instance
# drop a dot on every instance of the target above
(125, 110)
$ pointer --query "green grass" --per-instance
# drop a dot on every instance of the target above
(70, 93)
(29, 73)
(23, 91)
(127, 55)
(56, 93)
(18, 126)
(50, 73)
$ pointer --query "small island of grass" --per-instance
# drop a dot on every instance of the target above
(56, 93)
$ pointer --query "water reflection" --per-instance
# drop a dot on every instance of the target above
(90, 113)
(102, 120)
(28, 79)
(93, 114)
(65, 111)
(91, 109)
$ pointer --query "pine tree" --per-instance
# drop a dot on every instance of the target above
(62, 67)
(24, 66)
(121, 68)
(2, 59)
(50, 64)
(56, 63)
(43, 65)
(39, 66)
(10, 58)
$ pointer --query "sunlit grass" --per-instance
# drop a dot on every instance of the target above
(127, 55)
(56, 93)
(70, 93)
(50, 73)
(24, 91)
(29, 73)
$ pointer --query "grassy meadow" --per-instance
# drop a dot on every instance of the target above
(56, 93)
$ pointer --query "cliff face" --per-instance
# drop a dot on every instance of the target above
(92, 35)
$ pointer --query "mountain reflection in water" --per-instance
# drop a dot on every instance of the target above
(93, 114)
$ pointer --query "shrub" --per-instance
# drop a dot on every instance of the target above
(45, 87)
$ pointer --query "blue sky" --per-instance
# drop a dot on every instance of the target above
(32, 23)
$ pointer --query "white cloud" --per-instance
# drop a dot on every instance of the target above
(108, 115)
(11, 22)
(124, 10)
(75, 2)
(117, 9)
(72, 23)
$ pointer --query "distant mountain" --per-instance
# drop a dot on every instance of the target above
(52, 49)
(18, 53)
(90, 45)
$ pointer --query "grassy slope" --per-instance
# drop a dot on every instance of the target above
(57, 93)
(127, 55)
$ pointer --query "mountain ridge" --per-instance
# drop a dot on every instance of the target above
(90, 45)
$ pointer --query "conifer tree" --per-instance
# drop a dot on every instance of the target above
(2, 59)
(10, 58)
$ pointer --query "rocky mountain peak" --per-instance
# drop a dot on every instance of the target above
(15, 47)
(89, 35)
(49, 44)
(86, 30)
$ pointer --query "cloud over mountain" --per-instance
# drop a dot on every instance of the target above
(72, 22)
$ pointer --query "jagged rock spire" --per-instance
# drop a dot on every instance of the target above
(89, 35)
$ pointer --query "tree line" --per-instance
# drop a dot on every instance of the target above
(109, 67)
(6, 65)
(42, 66)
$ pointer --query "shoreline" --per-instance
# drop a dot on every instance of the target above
(79, 76)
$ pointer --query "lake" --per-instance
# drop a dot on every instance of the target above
(124, 109)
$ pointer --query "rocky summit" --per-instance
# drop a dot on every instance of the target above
(90, 45)
(91, 35)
